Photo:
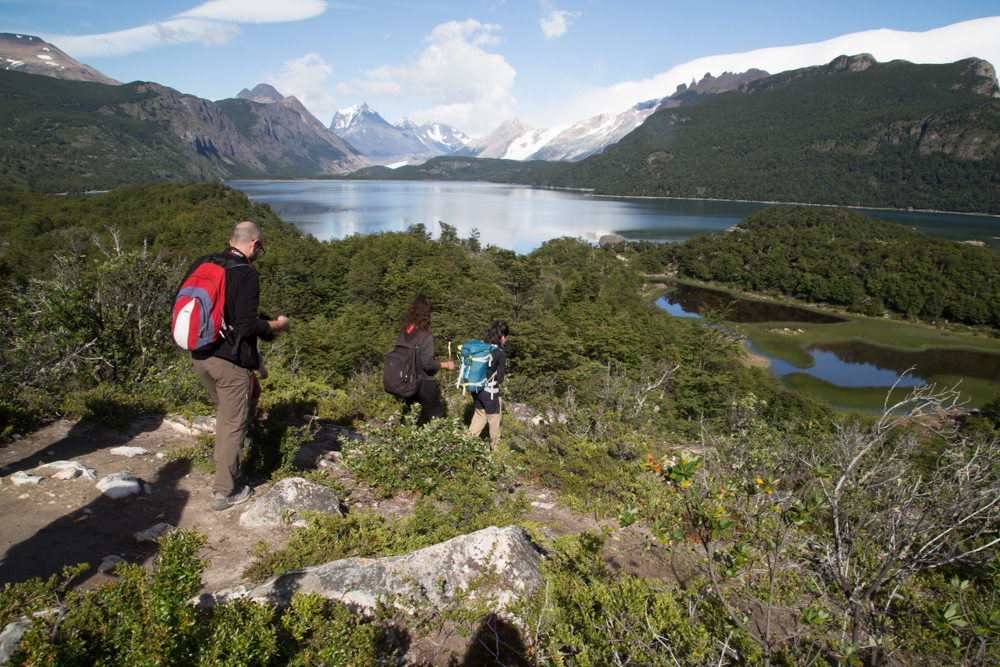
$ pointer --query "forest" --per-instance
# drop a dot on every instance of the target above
(785, 513)
(842, 258)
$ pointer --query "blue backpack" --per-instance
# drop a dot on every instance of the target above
(477, 371)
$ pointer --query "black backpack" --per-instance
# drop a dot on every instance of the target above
(401, 375)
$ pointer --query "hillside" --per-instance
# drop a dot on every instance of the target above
(455, 168)
(77, 136)
(854, 132)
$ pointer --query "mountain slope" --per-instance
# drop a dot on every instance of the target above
(853, 132)
(32, 55)
(71, 135)
(516, 141)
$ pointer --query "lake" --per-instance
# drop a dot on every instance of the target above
(521, 218)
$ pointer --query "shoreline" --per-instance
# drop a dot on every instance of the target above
(589, 192)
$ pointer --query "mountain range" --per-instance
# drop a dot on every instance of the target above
(853, 132)
(64, 133)
(404, 142)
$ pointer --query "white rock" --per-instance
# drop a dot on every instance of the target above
(544, 506)
(435, 574)
(67, 474)
(129, 451)
(198, 426)
(118, 485)
(20, 478)
(152, 533)
(161, 455)
(286, 500)
(46, 469)
(148, 489)
(109, 562)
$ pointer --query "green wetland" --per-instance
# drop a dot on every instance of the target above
(846, 360)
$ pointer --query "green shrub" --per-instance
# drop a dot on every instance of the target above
(112, 406)
(401, 455)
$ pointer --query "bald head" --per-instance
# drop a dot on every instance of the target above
(245, 238)
(246, 232)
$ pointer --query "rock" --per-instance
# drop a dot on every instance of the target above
(286, 499)
(46, 469)
(109, 563)
(434, 574)
(161, 455)
(198, 426)
(129, 451)
(152, 533)
(148, 489)
(67, 474)
(118, 485)
(10, 638)
(21, 478)
(16, 436)
(611, 239)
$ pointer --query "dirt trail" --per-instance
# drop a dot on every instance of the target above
(56, 523)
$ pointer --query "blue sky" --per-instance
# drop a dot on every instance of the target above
(471, 64)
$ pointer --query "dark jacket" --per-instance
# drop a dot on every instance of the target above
(242, 299)
(489, 402)
(428, 365)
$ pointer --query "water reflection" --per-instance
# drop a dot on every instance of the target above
(842, 363)
(509, 216)
(930, 362)
(691, 301)
(521, 218)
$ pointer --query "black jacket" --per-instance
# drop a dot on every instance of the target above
(240, 311)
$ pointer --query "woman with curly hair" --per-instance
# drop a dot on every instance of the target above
(417, 330)
(487, 402)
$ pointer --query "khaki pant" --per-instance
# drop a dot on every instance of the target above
(229, 386)
(481, 419)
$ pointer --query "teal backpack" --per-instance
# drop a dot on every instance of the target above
(477, 371)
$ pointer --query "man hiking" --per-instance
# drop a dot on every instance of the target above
(226, 365)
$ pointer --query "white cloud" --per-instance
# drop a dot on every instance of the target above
(555, 22)
(173, 31)
(468, 87)
(256, 11)
(976, 38)
(303, 77)
(211, 23)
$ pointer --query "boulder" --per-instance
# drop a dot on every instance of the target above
(611, 239)
(67, 474)
(287, 500)
(118, 485)
(428, 576)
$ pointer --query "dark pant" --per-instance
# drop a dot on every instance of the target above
(430, 400)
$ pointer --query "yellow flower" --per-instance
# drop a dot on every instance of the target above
(685, 484)
(760, 481)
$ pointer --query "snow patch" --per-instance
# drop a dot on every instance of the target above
(396, 165)
(44, 57)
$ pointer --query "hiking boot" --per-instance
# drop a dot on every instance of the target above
(240, 495)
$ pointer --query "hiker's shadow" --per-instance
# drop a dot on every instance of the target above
(496, 642)
(102, 527)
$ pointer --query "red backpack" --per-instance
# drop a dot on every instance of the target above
(199, 319)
